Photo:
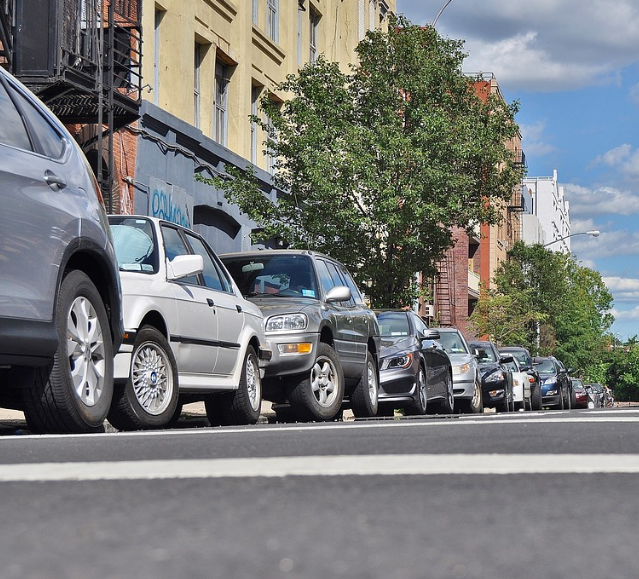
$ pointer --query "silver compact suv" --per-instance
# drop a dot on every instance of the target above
(60, 297)
(325, 340)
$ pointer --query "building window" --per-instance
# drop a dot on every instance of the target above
(372, 5)
(272, 19)
(272, 137)
(197, 65)
(255, 99)
(159, 14)
(314, 20)
(255, 11)
(220, 119)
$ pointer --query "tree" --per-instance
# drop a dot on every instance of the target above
(568, 305)
(376, 165)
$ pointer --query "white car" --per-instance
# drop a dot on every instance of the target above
(522, 392)
(188, 332)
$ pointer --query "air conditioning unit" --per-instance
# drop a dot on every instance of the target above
(429, 311)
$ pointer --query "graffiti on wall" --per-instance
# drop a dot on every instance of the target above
(170, 202)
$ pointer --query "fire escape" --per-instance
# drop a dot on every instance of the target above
(82, 58)
(445, 290)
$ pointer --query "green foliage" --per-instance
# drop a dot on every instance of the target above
(623, 370)
(378, 164)
(567, 305)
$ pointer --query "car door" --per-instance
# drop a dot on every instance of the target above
(35, 220)
(195, 337)
(226, 307)
(435, 358)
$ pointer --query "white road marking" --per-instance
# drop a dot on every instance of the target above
(364, 465)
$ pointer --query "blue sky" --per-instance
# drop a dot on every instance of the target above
(574, 68)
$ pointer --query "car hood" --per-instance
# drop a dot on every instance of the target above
(271, 305)
(393, 345)
(486, 369)
(459, 359)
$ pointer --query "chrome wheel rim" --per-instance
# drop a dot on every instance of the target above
(476, 396)
(324, 382)
(373, 386)
(152, 378)
(421, 386)
(85, 351)
(253, 383)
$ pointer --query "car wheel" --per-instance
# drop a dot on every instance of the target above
(504, 405)
(567, 402)
(476, 404)
(560, 406)
(74, 392)
(536, 398)
(242, 406)
(511, 401)
(319, 394)
(364, 399)
(176, 415)
(150, 396)
(419, 406)
(448, 405)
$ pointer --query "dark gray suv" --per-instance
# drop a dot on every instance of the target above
(325, 340)
(60, 298)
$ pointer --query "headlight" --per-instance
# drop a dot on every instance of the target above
(495, 376)
(462, 369)
(287, 323)
(551, 392)
(403, 361)
(552, 380)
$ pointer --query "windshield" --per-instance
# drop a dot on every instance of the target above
(133, 243)
(484, 354)
(452, 343)
(545, 367)
(519, 356)
(392, 324)
(276, 275)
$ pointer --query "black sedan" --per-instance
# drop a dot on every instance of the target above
(496, 378)
(415, 372)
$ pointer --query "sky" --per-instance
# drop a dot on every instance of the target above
(573, 65)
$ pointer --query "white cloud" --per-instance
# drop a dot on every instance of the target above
(536, 142)
(601, 200)
(620, 315)
(542, 45)
(614, 156)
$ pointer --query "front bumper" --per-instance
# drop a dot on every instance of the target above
(397, 385)
(283, 363)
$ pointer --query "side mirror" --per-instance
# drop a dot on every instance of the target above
(431, 335)
(505, 358)
(339, 293)
(184, 266)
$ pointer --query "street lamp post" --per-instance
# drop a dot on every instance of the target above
(440, 12)
(593, 232)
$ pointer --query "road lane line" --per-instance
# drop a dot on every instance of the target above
(364, 465)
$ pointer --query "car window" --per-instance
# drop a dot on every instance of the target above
(452, 343)
(213, 276)
(350, 282)
(324, 275)
(283, 275)
(420, 325)
(521, 357)
(133, 240)
(393, 324)
(173, 246)
(484, 353)
(512, 366)
(338, 279)
(12, 129)
(50, 139)
(545, 367)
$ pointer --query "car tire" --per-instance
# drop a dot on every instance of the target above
(476, 404)
(318, 395)
(536, 398)
(420, 405)
(447, 406)
(567, 402)
(504, 405)
(73, 393)
(365, 397)
(149, 398)
(242, 406)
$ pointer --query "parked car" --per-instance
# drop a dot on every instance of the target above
(415, 371)
(496, 379)
(598, 394)
(580, 393)
(60, 308)
(466, 378)
(325, 339)
(521, 385)
(525, 361)
(189, 333)
(556, 390)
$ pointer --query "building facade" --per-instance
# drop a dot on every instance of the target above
(206, 64)
(550, 210)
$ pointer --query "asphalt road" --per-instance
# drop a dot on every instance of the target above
(537, 495)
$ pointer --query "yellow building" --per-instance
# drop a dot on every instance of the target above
(205, 66)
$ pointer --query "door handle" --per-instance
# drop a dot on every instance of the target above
(238, 307)
(53, 180)
(210, 302)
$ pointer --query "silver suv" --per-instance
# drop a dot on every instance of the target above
(60, 302)
(325, 340)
